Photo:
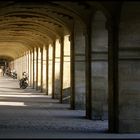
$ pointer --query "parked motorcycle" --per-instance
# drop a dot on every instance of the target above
(23, 83)
(14, 75)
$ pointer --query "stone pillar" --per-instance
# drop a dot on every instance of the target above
(18, 68)
(28, 64)
(57, 78)
(66, 85)
(41, 50)
(61, 68)
(33, 70)
(88, 69)
(129, 68)
(44, 67)
(50, 69)
(25, 62)
(97, 80)
(53, 70)
(37, 68)
(47, 68)
(79, 68)
(72, 81)
(21, 64)
(112, 26)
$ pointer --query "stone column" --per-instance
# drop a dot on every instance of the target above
(97, 67)
(21, 59)
(72, 82)
(112, 26)
(50, 68)
(79, 66)
(28, 65)
(53, 70)
(33, 72)
(129, 68)
(57, 78)
(61, 68)
(41, 50)
(47, 68)
(37, 68)
(88, 69)
(66, 85)
(31, 68)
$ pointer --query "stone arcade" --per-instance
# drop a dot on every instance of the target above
(83, 53)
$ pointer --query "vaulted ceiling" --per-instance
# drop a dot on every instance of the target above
(28, 24)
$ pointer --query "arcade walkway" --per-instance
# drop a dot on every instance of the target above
(31, 114)
(28, 113)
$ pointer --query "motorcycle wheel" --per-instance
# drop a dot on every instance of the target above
(24, 86)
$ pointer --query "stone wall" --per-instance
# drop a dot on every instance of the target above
(129, 68)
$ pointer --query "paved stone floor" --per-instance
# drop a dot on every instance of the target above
(30, 114)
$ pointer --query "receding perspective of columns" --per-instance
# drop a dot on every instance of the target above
(83, 55)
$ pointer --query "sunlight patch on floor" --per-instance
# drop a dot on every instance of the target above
(21, 95)
(12, 103)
